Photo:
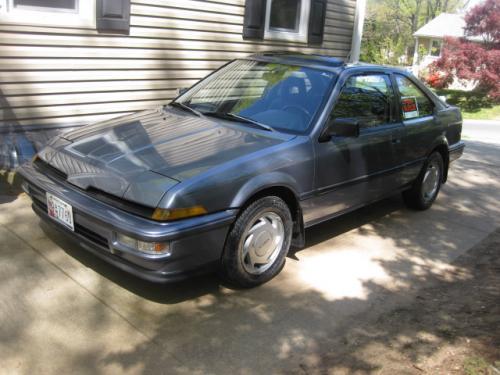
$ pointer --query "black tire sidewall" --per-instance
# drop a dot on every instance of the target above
(232, 262)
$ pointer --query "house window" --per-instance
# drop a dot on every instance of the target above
(435, 49)
(77, 13)
(47, 5)
(287, 20)
(284, 15)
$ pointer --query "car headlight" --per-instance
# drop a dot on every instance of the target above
(155, 248)
(164, 214)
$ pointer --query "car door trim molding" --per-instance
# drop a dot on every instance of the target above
(330, 188)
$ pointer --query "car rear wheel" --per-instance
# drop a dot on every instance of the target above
(257, 244)
(427, 185)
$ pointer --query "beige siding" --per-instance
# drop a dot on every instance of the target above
(55, 75)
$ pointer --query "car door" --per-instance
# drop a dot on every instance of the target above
(417, 113)
(351, 171)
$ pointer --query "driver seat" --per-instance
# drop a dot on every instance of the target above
(292, 91)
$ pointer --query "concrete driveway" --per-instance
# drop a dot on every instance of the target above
(63, 310)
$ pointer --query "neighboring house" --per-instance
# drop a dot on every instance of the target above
(71, 62)
(429, 38)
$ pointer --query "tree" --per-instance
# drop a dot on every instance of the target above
(390, 24)
(475, 57)
(484, 20)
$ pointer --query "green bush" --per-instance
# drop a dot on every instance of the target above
(469, 101)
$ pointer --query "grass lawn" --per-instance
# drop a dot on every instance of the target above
(492, 113)
(474, 105)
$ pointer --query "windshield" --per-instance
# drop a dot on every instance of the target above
(283, 97)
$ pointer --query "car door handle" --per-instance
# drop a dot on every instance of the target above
(396, 140)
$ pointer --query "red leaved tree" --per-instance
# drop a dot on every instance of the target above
(475, 57)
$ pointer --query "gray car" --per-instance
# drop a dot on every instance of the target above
(229, 174)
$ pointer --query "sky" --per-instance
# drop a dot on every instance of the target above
(472, 3)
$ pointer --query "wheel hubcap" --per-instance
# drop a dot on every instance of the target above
(430, 182)
(262, 243)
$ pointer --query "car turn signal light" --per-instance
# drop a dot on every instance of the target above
(163, 214)
(155, 248)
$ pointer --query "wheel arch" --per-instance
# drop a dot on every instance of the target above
(441, 146)
(282, 186)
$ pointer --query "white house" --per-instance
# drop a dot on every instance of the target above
(70, 62)
(429, 38)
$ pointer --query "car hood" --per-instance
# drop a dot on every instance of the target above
(139, 157)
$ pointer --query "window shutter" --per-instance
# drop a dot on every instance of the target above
(317, 21)
(253, 24)
(113, 15)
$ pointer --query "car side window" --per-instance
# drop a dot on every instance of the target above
(367, 98)
(414, 103)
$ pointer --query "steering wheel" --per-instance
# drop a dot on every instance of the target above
(300, 110)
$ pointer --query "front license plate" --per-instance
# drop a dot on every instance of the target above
(60, 211)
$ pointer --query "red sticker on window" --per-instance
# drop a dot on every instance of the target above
(409, 107)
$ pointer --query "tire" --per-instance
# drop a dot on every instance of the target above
(426, 187)
(262, 232)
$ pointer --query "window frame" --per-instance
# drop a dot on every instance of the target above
(85, 17)
(399, 96)
(394, 116)
(290, 36)
(432, 40)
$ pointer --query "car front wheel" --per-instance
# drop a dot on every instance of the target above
(427, 185)
(257, 244)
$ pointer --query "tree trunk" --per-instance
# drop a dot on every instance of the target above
(445, 6)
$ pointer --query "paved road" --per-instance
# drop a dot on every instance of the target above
(61, 309)
(482, 130)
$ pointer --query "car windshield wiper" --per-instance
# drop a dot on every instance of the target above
(234, 116)
(185, 107)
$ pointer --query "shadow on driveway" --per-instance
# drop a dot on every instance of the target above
(172, 293)
(358, 299)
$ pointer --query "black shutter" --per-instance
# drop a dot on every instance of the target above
(317, 21)
(113, 15)
(255, 15)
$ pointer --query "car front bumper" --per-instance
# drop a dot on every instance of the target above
(195, 243)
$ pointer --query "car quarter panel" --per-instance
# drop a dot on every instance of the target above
(428, 130)
(451, 119)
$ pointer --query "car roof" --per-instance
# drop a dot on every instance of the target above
(321, 61)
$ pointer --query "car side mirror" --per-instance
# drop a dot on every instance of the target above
(340, 127)
(181, 90)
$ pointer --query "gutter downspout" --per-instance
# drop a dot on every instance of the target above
(357, 31)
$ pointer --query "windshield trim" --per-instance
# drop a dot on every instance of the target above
(233, 117)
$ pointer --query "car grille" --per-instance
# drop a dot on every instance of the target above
(49, 170)
(79, 229)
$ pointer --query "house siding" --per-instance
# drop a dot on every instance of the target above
(68, 76)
